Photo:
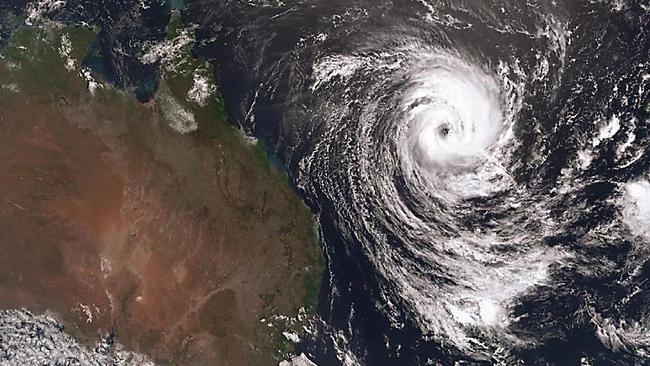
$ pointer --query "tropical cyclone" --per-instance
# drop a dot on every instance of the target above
(446, 141)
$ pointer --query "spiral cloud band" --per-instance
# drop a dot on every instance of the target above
(433, 133)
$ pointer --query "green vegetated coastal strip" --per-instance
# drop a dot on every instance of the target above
(212, 119)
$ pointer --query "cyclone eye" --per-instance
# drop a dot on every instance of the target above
(444, 130)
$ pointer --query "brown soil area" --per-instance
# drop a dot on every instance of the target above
(111, 220)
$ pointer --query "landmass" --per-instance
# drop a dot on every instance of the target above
(157, 223)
